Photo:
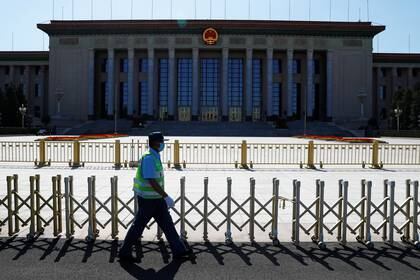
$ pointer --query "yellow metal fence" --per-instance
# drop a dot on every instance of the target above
(246, 155)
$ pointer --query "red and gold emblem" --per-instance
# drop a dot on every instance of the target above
(210, 36)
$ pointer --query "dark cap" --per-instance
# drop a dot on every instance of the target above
(156, 136)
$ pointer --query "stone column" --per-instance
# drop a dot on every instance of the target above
(150, 80)
(329, 84)
(290, 75)
(171, 86)
(91, 83)
(410, 78)
(111, 82)
(248, 91)
(130, 81)
(269, 54)
(26, 84)
(195, 84)
(12, 74)
(310, 104)
(42, 93)
(394, 80)
(376, 94)
(225, 72)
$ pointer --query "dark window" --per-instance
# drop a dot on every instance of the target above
(184, 82)
(256, 83)
(415, 72)
(276, 95)
(7, 70)
(317, 67)
(104, 99)
(235, 82)
(209, 82)
(383, 71)
(296, 66)
(36, 91)
(104, 65)
(399, 72)
(143, 65)
(382, 92)
(163, 82)
(277, 66)
(37, 69)
(143, 97)
(22, 70)
(383, 114)
(37, 112)
(123, 99)
(123, 65)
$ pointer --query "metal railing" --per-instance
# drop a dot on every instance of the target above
(256, 212)
(244, 154)
(12, 151)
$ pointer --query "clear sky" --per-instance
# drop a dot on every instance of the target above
(18, 18)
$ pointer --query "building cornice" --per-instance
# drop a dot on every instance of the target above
(24, 56)
(396, 58)
(249, 27)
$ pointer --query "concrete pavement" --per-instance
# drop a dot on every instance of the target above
(76, 259)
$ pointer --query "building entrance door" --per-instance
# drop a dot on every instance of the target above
(235, 114)
(256, 114)
(163, 113)
(184, 114)
(209, 114)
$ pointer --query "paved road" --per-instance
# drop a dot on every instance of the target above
(58, 259)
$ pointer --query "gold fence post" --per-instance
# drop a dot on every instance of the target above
(375, 155)
(117, 157)
(176, 155)
(311, 155)
(244, 154)
(76, 154)
(41, 153)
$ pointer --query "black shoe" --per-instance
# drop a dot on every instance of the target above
(126, 258)
(183, 255)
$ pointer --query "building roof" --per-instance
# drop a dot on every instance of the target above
(24, 56)
(263, 27)
(396, 58)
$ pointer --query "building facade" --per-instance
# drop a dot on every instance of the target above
(391, 73)
(28, 71)
(213, 70)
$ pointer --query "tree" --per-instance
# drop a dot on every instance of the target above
(409, 102)
(11, 99)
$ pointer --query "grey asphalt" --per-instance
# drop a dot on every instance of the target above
(76, 259)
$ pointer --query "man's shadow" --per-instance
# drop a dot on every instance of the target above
(167, 272)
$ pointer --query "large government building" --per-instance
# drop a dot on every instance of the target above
(210, 70)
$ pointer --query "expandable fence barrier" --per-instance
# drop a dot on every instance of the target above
(361, 217)
(244, 155)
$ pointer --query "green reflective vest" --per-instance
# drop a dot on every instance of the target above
(142, 186)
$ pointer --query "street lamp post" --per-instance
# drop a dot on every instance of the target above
(398, 113)
(22, 110)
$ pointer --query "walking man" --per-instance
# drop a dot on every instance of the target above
(153, 202)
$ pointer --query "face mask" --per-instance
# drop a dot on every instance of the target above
(161, 147)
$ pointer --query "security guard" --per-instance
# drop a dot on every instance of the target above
(153, 201)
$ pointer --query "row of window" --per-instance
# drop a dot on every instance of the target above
(142, 65)
(210, 85)
(384, 72)
(21, 70)
(296, 67)
(123, 97)
(37, 89)
(277, 65)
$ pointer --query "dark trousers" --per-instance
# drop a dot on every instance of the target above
(157, 209)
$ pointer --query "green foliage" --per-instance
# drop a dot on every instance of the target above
(10, 100)
(409, 102)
